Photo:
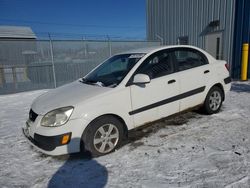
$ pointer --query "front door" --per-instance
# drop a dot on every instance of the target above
(152, 101)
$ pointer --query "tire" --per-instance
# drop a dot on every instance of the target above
(103, 136)
(213, 101)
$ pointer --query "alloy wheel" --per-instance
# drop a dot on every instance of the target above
(215, 100)
(106, 138)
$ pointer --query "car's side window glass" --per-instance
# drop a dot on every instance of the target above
(187, 59)
(157, 65)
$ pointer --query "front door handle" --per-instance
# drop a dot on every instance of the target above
(206, 71)
(171, 81)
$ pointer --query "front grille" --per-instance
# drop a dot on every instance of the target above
(32, 115)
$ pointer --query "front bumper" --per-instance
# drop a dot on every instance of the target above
(47, 143)
(48, 140)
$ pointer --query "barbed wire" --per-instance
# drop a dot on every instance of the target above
(62, 35)
(75, 25)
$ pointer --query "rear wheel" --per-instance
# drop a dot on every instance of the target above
(103, 135)
(213, 100)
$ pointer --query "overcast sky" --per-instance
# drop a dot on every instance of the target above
(118, 18)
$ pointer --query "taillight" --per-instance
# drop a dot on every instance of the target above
(227, 66)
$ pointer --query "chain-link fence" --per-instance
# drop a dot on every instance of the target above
(39, 64)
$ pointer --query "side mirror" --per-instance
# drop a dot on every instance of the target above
(141, 79)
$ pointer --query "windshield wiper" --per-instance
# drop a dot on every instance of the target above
(112, 85)
(91, 82)
(99, 84)
(84, 80)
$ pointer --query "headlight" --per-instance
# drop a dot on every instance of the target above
(57, 117)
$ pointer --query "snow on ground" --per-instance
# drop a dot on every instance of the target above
(190, 150)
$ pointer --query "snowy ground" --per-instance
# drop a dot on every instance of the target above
(191, 150)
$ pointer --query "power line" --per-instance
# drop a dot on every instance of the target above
(74, 25)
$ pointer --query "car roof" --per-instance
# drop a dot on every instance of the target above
(156, 48)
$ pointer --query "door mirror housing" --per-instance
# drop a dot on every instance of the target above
(141, 79)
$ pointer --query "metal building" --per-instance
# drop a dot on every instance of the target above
(218, 26)
(20, 51)
(13, 52)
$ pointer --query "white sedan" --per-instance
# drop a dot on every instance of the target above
(95, 113)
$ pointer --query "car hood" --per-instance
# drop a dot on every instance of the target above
(67, 95)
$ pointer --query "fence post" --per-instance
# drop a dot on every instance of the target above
(52, 61)
(2, 79)
(110, 47)
(14, 77)
(85, 46)
(161, 39)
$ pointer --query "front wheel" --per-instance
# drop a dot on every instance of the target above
(103, 135)
(213, 100)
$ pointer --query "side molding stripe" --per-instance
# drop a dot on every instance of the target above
(169, 100)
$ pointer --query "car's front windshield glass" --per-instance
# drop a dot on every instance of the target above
(112, 71)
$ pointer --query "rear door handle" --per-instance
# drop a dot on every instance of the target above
(171, 81)
(206, 71)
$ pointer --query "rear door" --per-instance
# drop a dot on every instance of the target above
(154, 100)
(193, 72)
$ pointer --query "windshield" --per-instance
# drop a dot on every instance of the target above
(112, 71)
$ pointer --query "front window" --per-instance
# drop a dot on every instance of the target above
(112, 71)
(157, 65)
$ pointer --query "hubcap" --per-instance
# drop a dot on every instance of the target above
(215, 100)
(106, 138)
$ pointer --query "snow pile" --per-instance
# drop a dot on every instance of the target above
(190, 150)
